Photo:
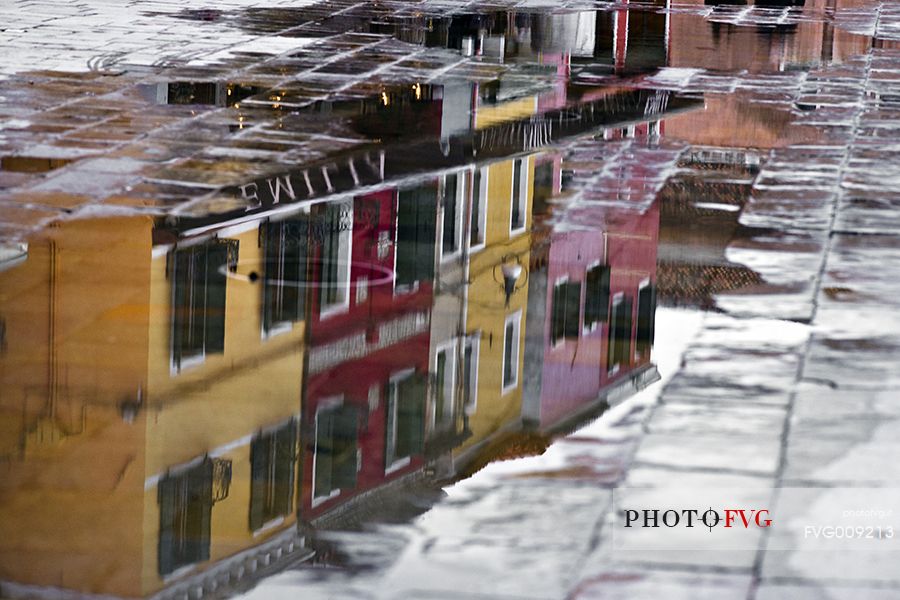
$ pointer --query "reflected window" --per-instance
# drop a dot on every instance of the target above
(362, 289)
(478, 215)
(619, 339)
(337, 230)
(335, 459)
(519, 195)
(186, 92)
(444, 382)
(511, 351)
(470, 373)
(544, 187)
(405, 424)
(273, 458)
(185, 510)
(565, 311)
(416, 225)
(284, 292)
(596, 296)
(451, 222)
(646, 319)
(198, 300)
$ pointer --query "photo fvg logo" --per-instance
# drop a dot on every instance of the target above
(709, 518)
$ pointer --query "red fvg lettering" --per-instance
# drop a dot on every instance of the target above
(754, 517)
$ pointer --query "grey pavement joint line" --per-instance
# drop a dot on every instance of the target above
(786, 431)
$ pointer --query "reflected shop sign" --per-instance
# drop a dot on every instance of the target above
(400, 163)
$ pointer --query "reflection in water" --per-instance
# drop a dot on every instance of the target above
(200, 397)
(187, 400)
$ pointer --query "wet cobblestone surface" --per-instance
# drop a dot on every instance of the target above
(787, 381)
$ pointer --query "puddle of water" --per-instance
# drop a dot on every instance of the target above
(423, 277)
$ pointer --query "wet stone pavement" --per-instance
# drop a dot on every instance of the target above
(420, 299)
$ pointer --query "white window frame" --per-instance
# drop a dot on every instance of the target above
(362, 289)
(598, 324)
(449, 348)
(395, 378)
(558, 282)
(473, 340)
(645, 282)
(522, 200)
(618, 298)
(345, 251)
(482, 194)
(277, 327)
(462, 185)
(400, 290)
(516, 320)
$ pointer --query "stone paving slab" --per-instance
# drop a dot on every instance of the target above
(639, 584)
(824, 592)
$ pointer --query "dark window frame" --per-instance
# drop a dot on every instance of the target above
(185, 512)
(273, 467)
(336, 451)
(404, 431)
(285, 267)
(621, 324)
(511, 352)
(596, 296)
(565, 311)
(415, 243)
(646, 319)
(198, 299)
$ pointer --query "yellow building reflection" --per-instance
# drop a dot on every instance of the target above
(164, 438)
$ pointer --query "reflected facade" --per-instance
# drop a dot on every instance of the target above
(187, 401)
(201, 403)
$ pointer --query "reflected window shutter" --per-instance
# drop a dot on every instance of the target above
(591, 296)
(201, 493)
(645, 318)
(324, 453)
(180, 308)
(346, 444)
(269, 234)
(572, 308)
(612, 337)
(418, 420)
(258, 480)
(296, 259)
(285, 440)
(596, 302)
(603, 302)
(406, 238)
(166, 550)
(216, 264)
(557, 326)
(388, 420)
(426, 220)
(624, 333)
(629, 326)
(411, 416)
